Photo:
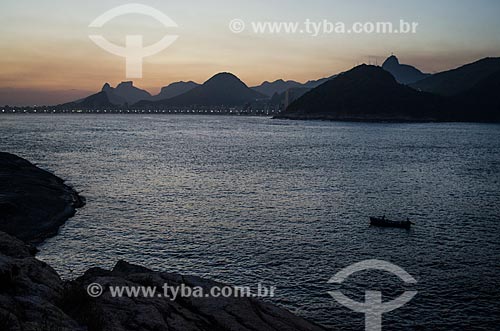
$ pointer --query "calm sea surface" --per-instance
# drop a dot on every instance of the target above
(246, 200)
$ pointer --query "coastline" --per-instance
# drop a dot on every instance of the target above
(33, 203)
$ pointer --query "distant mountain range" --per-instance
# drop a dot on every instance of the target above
(394, 91)
(126, 93)
(222, 89)
(370, 93)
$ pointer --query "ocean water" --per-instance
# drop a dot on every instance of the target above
(285, 203)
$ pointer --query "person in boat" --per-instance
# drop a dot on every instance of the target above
(383, 218)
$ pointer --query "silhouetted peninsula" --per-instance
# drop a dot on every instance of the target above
(365, 93)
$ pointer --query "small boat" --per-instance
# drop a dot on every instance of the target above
(384, 222)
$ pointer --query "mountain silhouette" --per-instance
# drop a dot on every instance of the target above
(404, 73)
(124, 93)
(278, 86)
(97, 100)
(112, 98)
(365, 93)
(128, 92)
(222, 89)
(174, 89)
(453, 82)
(103, 99)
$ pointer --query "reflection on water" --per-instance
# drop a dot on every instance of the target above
(247, 200)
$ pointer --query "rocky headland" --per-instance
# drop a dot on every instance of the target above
(33, 202)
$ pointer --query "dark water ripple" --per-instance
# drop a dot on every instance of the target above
(247, 200)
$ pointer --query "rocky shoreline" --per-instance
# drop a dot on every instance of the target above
(33, 202)
(33, 297)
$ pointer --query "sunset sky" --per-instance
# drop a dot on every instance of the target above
(47, 56)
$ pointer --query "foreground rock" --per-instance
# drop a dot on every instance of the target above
(33, 297)
(33, 202)
(31, 292)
